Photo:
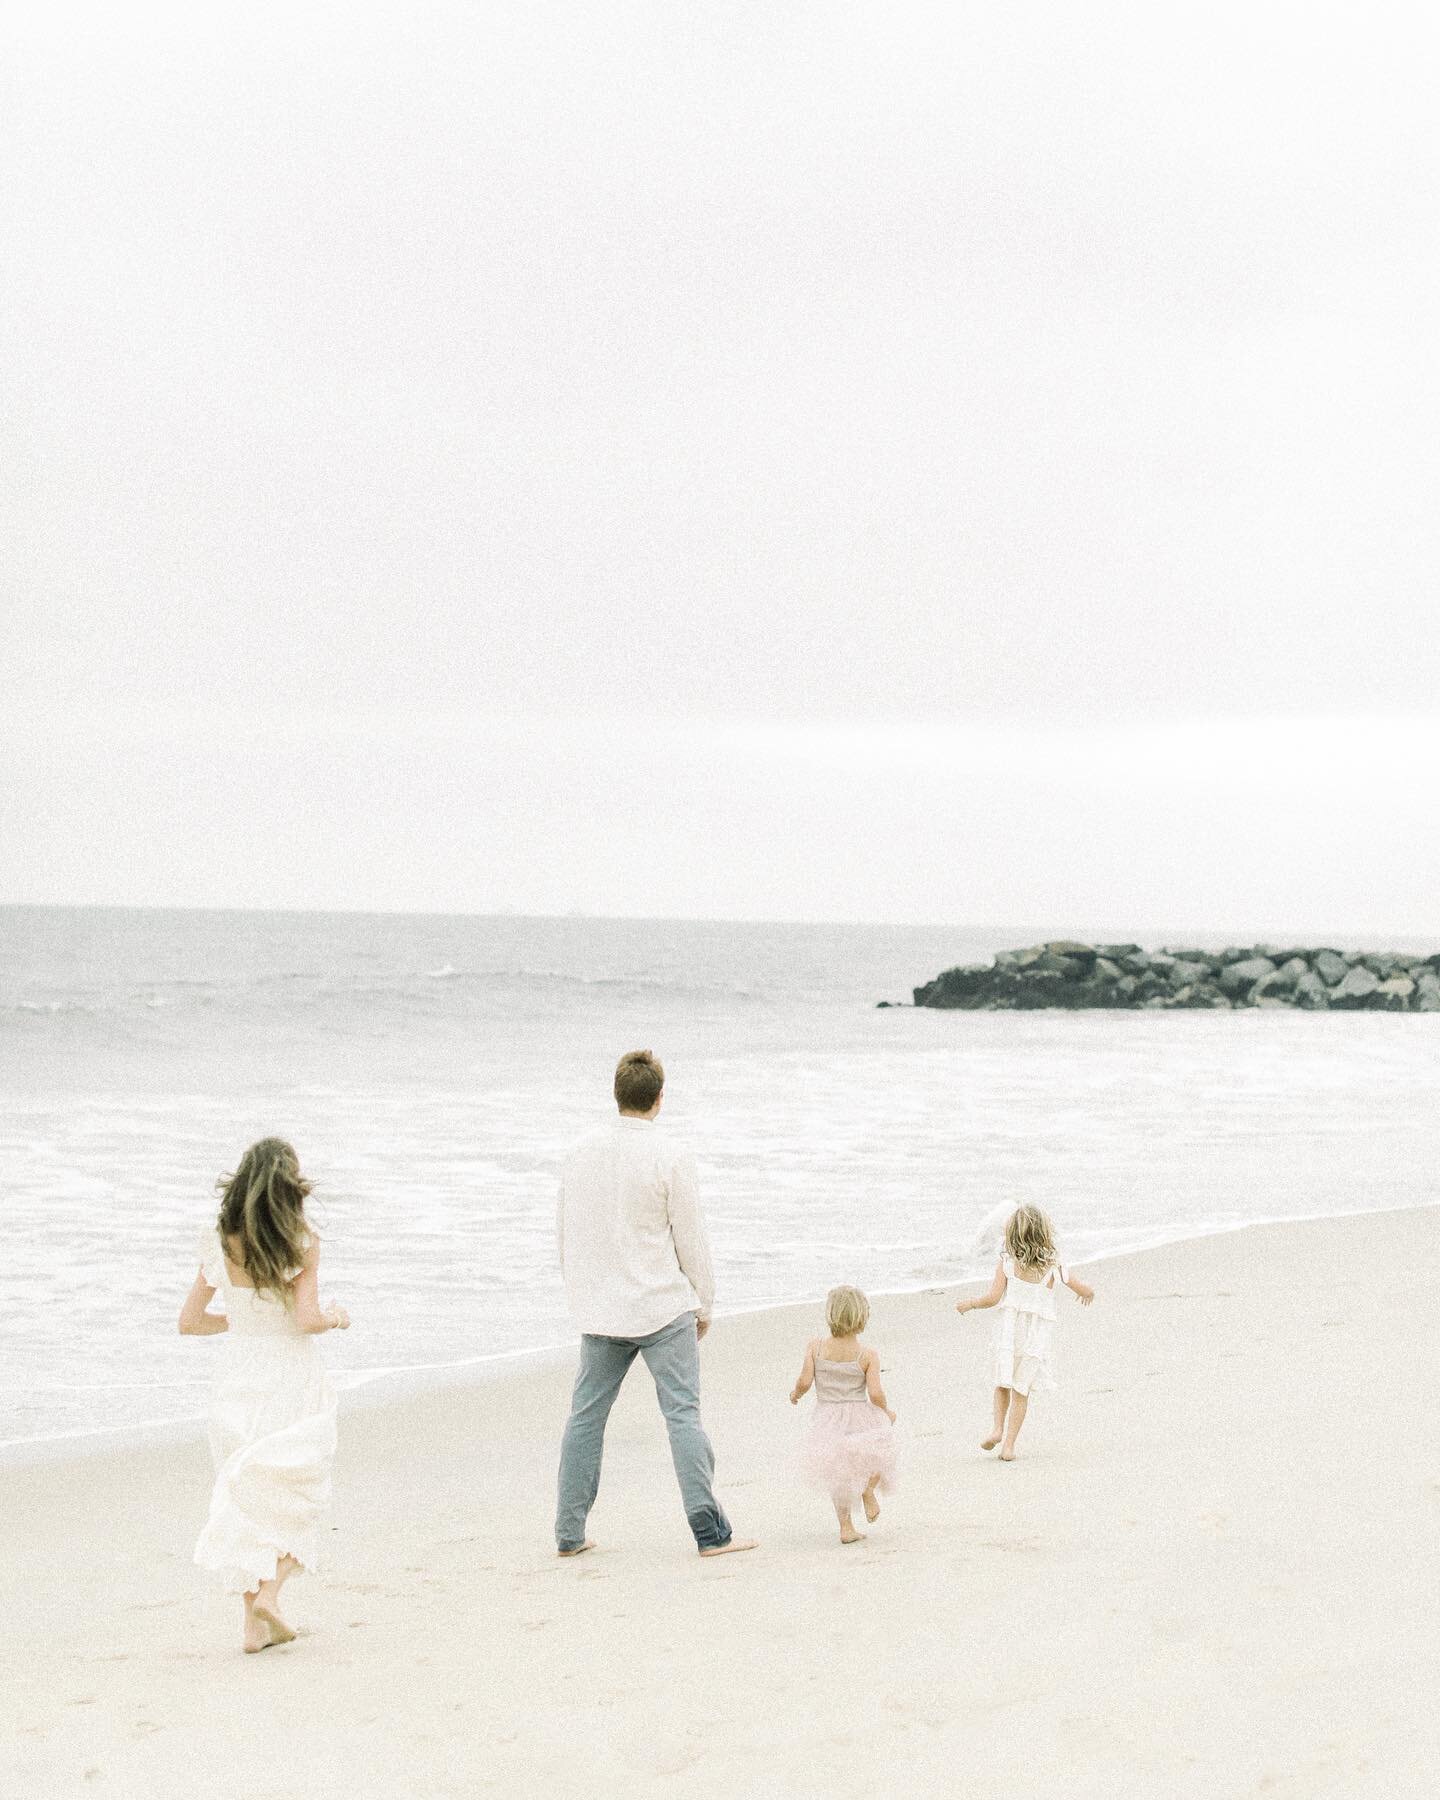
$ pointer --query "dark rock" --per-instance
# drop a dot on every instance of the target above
(1395, 993)
(1357, 987)
(1068, 947)
(1427, 992)
(1238, 976)
(1269, 990)
(1312, 993)
(1053, 963)
(1107, 970)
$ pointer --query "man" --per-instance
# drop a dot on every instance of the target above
(638, 1279)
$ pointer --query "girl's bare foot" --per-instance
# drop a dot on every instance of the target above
(734, 1545)
(1008, 1453)
(871, 1505)
(849, 1535)
(990, 1442)
(579, 1549)
(257, 1634)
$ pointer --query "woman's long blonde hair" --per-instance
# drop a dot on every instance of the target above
(1029, 1238)
(262, 1211)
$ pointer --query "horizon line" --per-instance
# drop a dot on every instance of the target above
(1175, 933)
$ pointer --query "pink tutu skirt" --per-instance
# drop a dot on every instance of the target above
(848, 1443)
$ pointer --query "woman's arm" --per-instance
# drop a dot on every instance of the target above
(870, 1363)
(1077, 1286)
(807, 1377)
(993, 1298)
(195, 1321)
(306, 1290)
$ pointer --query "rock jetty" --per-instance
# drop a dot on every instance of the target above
(1069, 974)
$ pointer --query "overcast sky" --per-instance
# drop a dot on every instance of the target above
(928, 462)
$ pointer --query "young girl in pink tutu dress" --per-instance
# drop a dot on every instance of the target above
(850, 1447)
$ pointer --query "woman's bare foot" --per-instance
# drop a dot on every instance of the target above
(730, 1548)
(263, 1624)
(871, 1505)
(990, 1442)
(266, 1608)
(579, 1549)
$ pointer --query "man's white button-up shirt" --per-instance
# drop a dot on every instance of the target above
(632, 1242)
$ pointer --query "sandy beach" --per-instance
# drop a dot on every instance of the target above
(1211, 1572)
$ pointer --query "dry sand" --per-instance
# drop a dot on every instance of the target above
(1211, 1572)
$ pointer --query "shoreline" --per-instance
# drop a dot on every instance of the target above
(82, 1444)
(1190, 1583)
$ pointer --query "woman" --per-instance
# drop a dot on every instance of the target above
(272, 1409)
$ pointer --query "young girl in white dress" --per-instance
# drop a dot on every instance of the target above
(1022, 1353)
(850, 1447)
(272, 1408)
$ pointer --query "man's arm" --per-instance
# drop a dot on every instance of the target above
(687, 1229)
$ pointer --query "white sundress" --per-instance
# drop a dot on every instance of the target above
(1022, 1354)
(272, 1437)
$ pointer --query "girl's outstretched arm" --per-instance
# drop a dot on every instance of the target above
(993, 1298)
(1081, 1288)
(195, 1321)
(870, 1363)
(807, 1377)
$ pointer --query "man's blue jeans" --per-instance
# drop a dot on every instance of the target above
(672, 1356)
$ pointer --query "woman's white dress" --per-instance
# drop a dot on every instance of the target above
(272, 1437)
(1022, 1350)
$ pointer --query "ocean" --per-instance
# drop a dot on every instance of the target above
(431, 1071)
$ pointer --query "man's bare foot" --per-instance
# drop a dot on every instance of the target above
(871, 1505)
(579, 1549)
(851, 1536)
(734, 1545)
(990, 1442)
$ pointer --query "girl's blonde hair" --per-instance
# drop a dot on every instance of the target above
(262, 1210)
(1030, 1239)
(846, 1311)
